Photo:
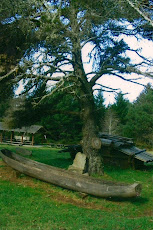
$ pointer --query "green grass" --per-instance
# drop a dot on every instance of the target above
(46, 155)
(41, 207)
(25, 208)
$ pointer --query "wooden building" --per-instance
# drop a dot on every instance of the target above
(20, 136)
(121, 151)
(117, 151)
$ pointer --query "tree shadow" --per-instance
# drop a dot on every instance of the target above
(58, 162)
(148, 167)
(134, 200)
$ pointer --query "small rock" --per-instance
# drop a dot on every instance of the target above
(79, 164)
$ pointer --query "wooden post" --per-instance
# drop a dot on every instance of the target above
(22, 139)
(32, 139)
(11, 136)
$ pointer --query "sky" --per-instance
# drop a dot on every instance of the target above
(131, 90)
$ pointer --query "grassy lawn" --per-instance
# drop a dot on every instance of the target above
(27, 203)
(150, 152)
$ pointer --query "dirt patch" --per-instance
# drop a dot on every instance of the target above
(9, 174)
(50, 191)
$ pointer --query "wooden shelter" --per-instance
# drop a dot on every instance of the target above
(22, 132)
(117, 151)
(122, 152)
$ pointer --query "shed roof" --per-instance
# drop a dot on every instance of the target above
(126, 146)
(29, 129)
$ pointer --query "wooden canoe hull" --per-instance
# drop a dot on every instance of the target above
(69, 180)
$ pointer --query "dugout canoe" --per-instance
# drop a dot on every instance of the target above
(69, 180)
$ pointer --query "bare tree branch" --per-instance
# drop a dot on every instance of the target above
(10, 73)
(107, 91)
(103, 86)
(143, 14)
(129, 80)
(150, 62)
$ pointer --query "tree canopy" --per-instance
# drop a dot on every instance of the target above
(140, 118)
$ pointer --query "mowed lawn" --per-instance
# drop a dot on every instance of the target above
(27, 203)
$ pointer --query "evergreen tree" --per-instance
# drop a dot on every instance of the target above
(61, 120)
(6, 94)
(100, 109)
(143, 8)
(140, 118)
(120, 107)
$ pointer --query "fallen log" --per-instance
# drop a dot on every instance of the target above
(23, 152)
(69, 180)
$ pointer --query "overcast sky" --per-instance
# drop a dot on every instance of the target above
(131, 90)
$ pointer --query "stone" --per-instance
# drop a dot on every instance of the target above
(79, 164)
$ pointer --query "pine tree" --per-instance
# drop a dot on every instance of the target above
(140, 118)
(120, 107)
(100, 109)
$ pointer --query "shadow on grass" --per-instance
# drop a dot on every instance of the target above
(148, 167)
(58, 162)
(133, 200)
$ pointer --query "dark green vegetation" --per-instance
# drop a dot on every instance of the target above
(62, 122)
(139, 123)
(27, 203)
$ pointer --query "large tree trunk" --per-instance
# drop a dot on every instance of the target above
(85, 93)
(90, 142)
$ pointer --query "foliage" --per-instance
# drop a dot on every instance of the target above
(100, 109)
(140, 118)
(144, 9)
(111, 124)
(6, 93)
(60, 120)
(21, 111)
(120, 107)
(115, 116)
(14, 43)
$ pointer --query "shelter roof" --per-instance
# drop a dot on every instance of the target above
(125, 146)
(29, 129)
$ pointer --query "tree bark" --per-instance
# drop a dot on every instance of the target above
(90, 143)
(87, 104)
(90, 133)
